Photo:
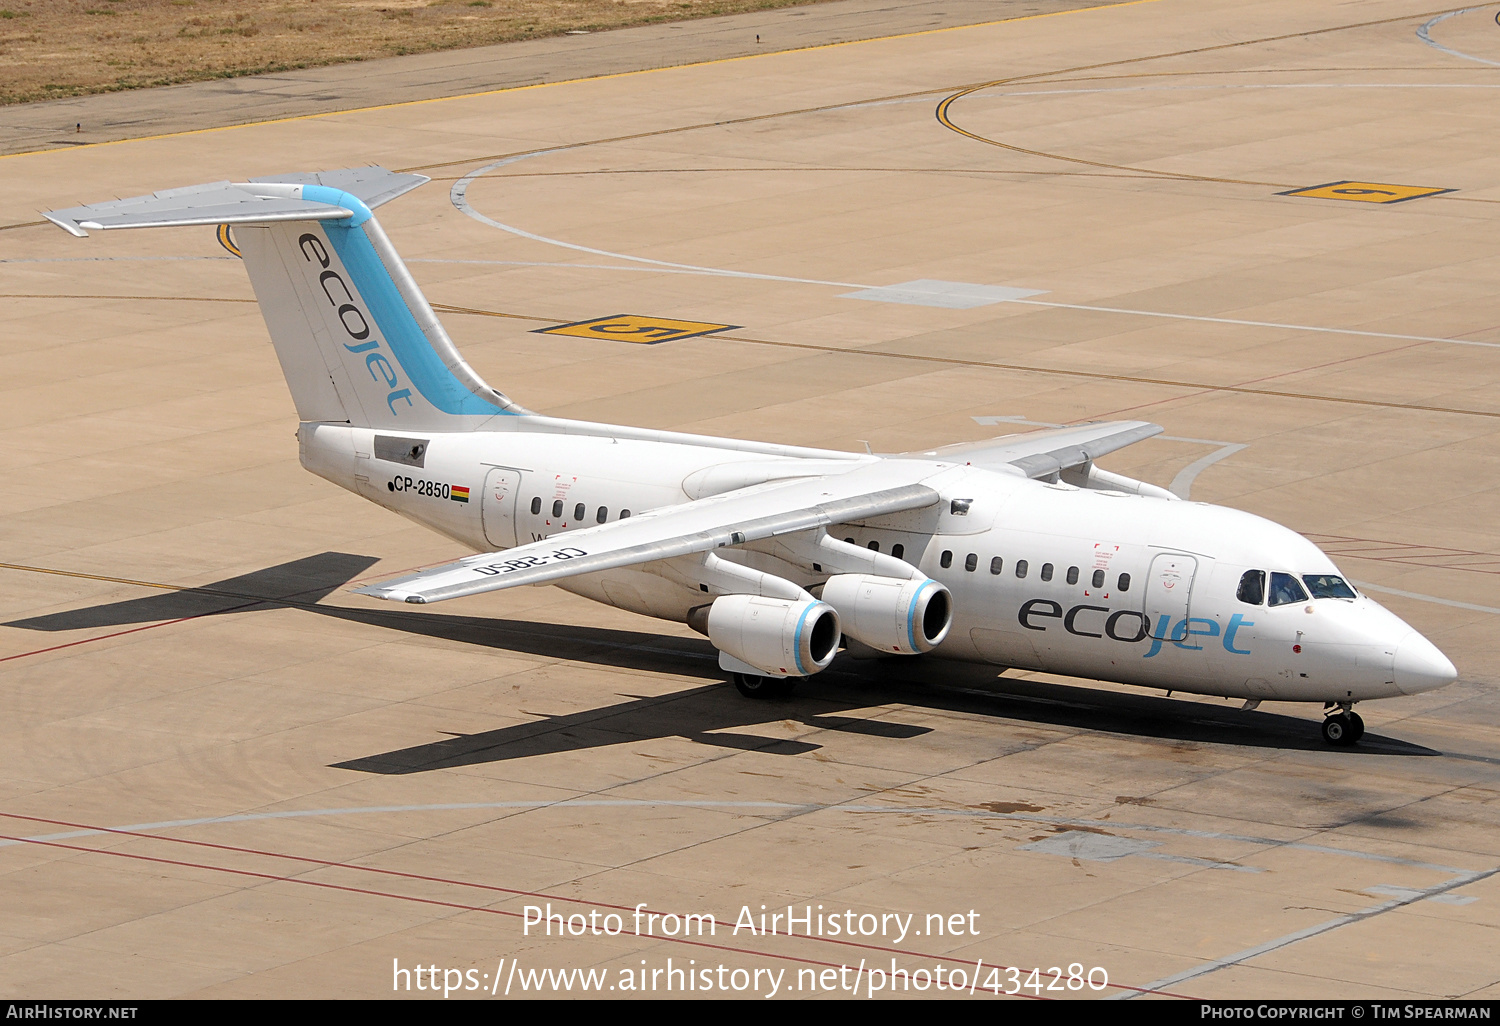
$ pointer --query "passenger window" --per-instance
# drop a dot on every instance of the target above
(1046, 571)
(848, 541)
(971, 562)
(1072, 575)
(1252, 587)
(579, 511)
(996, 565)
(947, 560)
(1098, 578)
(1327, 586)
(1285, 589)
(960, 507)
(1124, 582)
(898, 550)
(536, 505)
(1020, 568)
(557, 509)
(624, 514)
(874, 546)
(602, 515)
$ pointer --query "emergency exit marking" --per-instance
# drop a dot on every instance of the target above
(636, 328)
(1365, 192)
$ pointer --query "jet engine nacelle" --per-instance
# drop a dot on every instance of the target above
(779, 637)
(891, 615)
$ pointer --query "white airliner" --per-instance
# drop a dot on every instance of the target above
(1017, 551)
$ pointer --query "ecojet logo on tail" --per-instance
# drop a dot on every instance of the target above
(355, 323)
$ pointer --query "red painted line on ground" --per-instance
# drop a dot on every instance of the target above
(133, 630)
(289, 600)
(518, 893)
(413, 876)
(278, 878)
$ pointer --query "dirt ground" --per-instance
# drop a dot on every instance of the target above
(55, 48)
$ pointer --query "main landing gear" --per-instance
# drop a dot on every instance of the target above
(1342, 725)
(752, 686)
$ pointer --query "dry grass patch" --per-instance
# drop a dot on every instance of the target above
(52, 48)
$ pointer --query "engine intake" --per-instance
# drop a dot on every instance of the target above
(779, 637)
(891, 615)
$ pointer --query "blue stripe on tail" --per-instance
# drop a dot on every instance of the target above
(422, 365)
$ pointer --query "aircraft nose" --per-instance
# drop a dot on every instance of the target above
(1421, 667)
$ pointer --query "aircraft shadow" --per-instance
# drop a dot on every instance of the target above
(714, 714)
(299, 582)
(701, 714)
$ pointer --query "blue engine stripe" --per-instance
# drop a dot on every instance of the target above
(797, 635)
(911, 618)
(421, 362)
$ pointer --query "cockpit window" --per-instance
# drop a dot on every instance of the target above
(1285, 589)
(1328, 586)
(1252, 587)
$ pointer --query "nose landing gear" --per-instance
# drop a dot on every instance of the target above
(1342, 725)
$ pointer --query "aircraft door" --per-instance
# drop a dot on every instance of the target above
(498, 506)
(1169, 587)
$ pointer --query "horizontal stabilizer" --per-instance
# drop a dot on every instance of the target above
(323, 196)
(371, 185)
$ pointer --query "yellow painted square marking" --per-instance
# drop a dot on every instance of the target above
(1365, 192)
(636, 328)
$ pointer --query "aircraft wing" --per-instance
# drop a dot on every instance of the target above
(732, 518)
(1044, 453)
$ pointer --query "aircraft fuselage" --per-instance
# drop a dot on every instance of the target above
(1044, 576)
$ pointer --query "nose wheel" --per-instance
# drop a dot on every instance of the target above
(1343, 727)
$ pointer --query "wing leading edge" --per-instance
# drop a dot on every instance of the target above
(1046, 453)
(733, 518)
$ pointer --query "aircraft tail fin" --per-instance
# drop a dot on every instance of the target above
(357, 340)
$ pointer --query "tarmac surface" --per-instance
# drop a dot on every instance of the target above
(222, 774)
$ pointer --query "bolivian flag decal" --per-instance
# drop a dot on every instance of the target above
(459, 493)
